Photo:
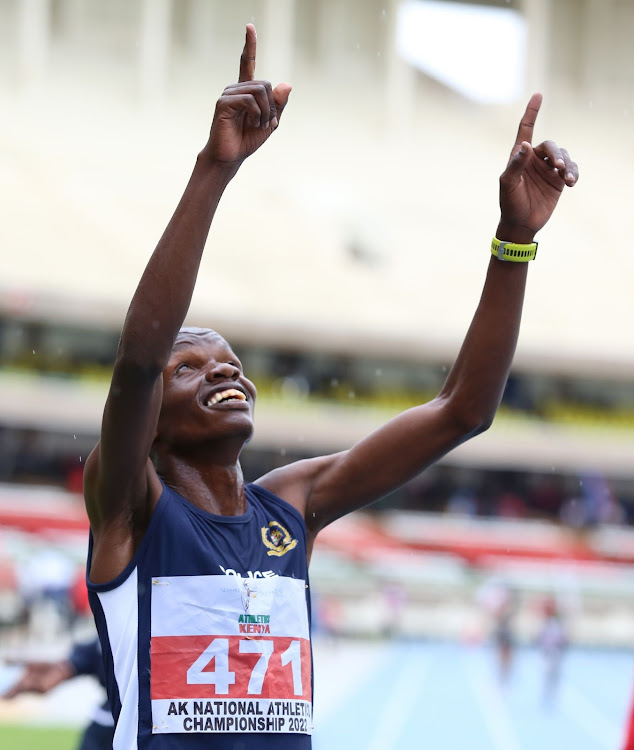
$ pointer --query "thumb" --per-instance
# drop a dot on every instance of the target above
(281, 93)
(516, 166)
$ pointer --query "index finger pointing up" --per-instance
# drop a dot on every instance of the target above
(247, 58)
(527, 123)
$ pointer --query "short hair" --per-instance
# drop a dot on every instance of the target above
(195, 331)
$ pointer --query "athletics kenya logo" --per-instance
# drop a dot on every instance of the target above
(277, 539)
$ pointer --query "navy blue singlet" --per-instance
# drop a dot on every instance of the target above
(206, 633)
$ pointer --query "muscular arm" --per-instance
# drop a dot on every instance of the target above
(121, 486)
(156, 313)
(328, 487)
(331, 486)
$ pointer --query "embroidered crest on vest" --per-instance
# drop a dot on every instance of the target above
(277, 539)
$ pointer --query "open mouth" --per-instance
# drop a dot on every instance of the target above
(223, 397)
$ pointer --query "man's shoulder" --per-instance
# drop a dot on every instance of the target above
(293, 482)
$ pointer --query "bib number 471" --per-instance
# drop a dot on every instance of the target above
(221, 677)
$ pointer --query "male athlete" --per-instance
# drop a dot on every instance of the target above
(198, 583)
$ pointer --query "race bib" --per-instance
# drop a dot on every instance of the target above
(230, 654)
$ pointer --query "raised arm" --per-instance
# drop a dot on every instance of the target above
(121, 486)
(328, 487)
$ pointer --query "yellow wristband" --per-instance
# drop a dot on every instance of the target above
(512, 251)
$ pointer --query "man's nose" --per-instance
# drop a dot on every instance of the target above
(219, 370)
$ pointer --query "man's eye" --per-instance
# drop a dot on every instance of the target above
(182, 366)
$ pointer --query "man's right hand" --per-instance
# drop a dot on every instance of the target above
(247, 112)
(40, 677)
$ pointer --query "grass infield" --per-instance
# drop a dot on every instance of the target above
(17, 737)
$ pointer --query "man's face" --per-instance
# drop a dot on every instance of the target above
(205, 393)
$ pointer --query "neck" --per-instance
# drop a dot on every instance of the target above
(212, 486)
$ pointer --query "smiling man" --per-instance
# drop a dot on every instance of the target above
(198, 582)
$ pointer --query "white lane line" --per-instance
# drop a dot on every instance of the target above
(592, 720)
(494, 710)
(404, 698)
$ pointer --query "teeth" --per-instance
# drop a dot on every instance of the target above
(231, 393)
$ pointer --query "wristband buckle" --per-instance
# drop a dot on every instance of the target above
(501, 247)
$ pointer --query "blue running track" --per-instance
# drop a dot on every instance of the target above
(396, 695)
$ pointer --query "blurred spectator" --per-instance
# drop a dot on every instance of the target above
(552, 642)
(43, 676)
(595, 505)
(504, 613)
(462, 502)
(500, 600)
(602, 506)
(574, 513)
(394, 603)
(511, 505)
(547, 496)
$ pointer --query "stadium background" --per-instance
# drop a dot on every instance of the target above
(344, 265)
